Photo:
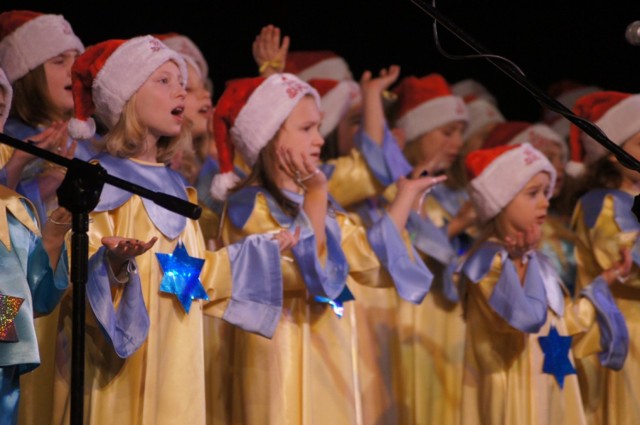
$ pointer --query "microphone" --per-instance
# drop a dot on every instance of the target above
(632, 34)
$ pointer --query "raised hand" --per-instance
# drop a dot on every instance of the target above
(269, 51)
(385, 79)
(301, 170)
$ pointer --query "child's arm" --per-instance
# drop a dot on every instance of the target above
(51, 136)
(373, 119)
(314, 183)
(408, 192)
(269, 52)
(53, 233)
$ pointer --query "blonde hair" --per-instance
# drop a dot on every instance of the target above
(413, 151)
(31, 100)
(126, 138)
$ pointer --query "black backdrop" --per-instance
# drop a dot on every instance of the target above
(549, 40)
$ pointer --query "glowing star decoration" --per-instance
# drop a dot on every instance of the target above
(556, 355)
(182, 276)
(9, 307)
(337, 305)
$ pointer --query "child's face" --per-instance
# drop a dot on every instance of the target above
(441, 145)
(632, 147)
(529, 206)
(160, 101)
(58, 74)
(300, 133)
(554, 154)
(197, 105)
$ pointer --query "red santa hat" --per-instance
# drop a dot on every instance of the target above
(616, 114)
(107, 74)
(322, 64)
(28, 39)
(337, 97)
(188, 49)
(427, 103)
(566, 92)
(5, 87)
(518, 132)
(248, 115)
(498, 174)
(470, 89)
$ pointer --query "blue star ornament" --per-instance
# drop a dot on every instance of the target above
(556, 355)
(182, 276)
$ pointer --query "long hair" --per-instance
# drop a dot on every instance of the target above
(262, 175)
(602, 174)
(126, 138)
(31, 101)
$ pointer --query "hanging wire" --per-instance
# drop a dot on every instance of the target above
(511, 63)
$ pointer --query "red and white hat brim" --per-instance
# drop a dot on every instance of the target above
(433, 114)
(504, 178)
(35, 42)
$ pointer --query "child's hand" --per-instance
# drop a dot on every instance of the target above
(50, 138)
(621, 270)
(120, 250)
(385, 79)
(269, 53)
(58, 224)
(301, 170)
(420, 181)
(517, 246)
(286, 239)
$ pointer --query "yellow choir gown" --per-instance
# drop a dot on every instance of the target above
(603, 223)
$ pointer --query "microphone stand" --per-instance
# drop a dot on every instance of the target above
(588, 127)
(79, 193)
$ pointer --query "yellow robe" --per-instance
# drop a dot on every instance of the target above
(163, 381)
(611, 397)
(313, 370)
(432, 337)
(503, 381)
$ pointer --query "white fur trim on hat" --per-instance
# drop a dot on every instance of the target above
(190, 52)
(432, 114)
(8, 97)
(126, 71)
(222, 183)
(619, 123)
(264, 112)
(540, 131)
(35, 42)
(336, 103)
(481, 113)
(507, 174)
(471, 87)
(331, 68)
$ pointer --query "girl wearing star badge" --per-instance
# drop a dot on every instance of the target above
(519, 354)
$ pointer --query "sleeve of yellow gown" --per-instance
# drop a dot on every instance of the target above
(367, 170)
(602, 242)
(601, 326)
(350, 179)
(382, 245)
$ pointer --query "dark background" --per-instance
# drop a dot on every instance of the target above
(565, 39)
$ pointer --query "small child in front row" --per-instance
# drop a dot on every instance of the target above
(520, 318)
(34, 278)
